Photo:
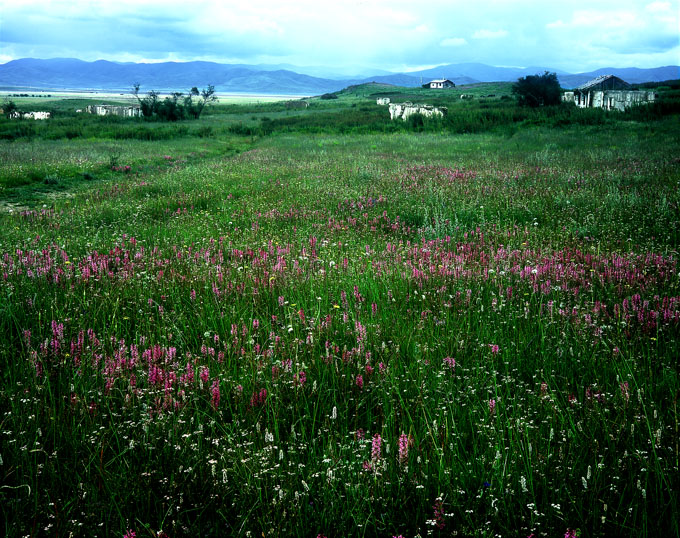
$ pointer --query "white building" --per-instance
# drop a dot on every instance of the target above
(439, 84)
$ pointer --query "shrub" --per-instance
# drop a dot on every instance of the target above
(537, 90)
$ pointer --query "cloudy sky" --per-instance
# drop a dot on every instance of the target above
(572, 35)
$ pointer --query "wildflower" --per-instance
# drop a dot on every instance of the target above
(403, 448)
(571, 533)
(300, 379)
(130, 534)
(205, 374)
(451, 362)
(439, 513)
(376, 447)
(492, 406)
(494, 349)
(360, 381)
(625, 391)
(215, 392)
(523, 483)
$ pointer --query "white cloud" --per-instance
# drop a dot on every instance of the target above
(453, 42)
(659, 7)
(386, 34)
(489, 34)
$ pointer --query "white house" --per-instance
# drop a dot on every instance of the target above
(439, 84)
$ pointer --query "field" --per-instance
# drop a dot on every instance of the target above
(276, 321)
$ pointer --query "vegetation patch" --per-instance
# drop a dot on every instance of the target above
(317, 321)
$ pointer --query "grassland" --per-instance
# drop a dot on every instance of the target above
(300, 322)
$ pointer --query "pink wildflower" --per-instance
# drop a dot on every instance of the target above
(376, 447)
(403, 448)
(130, 534)
(360, 381)
(205, 374)
(492, 406)
(625, 392)
(300, 379)
(215, 392)
(439, 514)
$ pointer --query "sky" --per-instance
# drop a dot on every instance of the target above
(349, 35)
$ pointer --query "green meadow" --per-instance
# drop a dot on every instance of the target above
(289, 320)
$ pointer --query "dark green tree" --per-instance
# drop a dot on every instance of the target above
(537, 90)
(171, 109)
(177, 106)
(9, 107)
(207, 96)
(148, 104)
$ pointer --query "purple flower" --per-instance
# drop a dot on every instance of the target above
(403, 448)
(376, 447)
(215, 392)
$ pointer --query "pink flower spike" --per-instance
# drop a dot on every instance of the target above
(376, 447)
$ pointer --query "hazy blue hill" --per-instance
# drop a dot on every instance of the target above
(633, 75)
(70, 73)
(399, 79)
(105, 75)
(476, 72)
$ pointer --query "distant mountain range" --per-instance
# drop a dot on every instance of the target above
(72, 74)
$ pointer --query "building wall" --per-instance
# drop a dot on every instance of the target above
(404, 110)
(609, 99)
(111, 110)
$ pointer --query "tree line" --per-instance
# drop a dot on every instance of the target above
(177, 106)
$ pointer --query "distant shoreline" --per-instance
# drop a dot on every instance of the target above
(113, 94)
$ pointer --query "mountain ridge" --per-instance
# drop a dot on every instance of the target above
(72, 73)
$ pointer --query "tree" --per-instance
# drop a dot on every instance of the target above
(148, 104)
(207, 96)
(177, 106)
(170, 108)
(537, 90)
(9, 107)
